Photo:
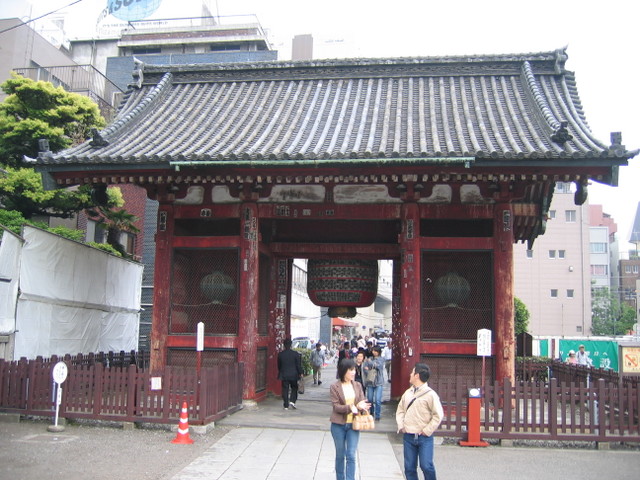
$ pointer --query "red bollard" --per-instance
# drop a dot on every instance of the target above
(473, 420)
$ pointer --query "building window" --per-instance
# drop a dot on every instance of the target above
(96, 232)
(627, 269)
(599, 270)
(552, 254)
(635, 269)
(554, 293)
(552, 214)
(570, 293)
(128, 241)
(146, 50)
(579, 328)
(563, 187)
(561, 253)
(598, 247)
(570, 216)
(529, 253)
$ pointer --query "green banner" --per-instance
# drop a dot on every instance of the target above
(603, 353)
(544, 348)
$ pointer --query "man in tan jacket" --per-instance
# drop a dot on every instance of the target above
(418, 416)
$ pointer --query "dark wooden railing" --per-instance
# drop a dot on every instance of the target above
(603, 409)
(121, 393)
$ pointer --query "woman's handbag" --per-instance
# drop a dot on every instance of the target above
(372, 374)
(363, 421)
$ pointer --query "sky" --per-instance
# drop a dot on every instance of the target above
(602, 40)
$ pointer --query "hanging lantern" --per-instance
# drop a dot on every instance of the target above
(342, 285)
(452, 289)
(217, 287)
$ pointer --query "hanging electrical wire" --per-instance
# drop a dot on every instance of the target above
(38, 18)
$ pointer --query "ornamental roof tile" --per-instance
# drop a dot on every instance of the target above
(501, 107)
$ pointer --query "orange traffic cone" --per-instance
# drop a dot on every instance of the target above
(183, 427)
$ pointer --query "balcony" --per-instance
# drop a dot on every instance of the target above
(82, 79)
(237, 29)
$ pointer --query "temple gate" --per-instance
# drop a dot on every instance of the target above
(439, 164)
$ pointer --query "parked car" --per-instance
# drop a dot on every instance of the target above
(301, 342)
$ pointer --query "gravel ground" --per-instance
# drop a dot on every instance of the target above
(29, 452)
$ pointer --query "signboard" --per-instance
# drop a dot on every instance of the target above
(60, 372)
(132, 9)
(484, 342)
(603, 353)
(200, 337)
(630, 360)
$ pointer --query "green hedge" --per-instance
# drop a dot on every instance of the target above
(306, 360)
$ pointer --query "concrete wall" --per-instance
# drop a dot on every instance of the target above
(22, 47)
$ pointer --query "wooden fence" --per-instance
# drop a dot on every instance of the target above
(595, 407)
(125, 394)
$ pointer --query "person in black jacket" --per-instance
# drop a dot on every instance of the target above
(289, 371)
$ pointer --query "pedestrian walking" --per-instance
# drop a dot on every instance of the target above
(418, 415)
(386, 356)
(289, 372)
(347, 399)
(372, 371)
(317, 362)
(359, 363)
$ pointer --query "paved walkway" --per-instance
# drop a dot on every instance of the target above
(270, 443)
(275, 453)
(273, 443)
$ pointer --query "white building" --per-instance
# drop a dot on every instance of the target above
(553, 279)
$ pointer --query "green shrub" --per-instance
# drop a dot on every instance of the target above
(306, 360)
(70, 233)
(105, 247)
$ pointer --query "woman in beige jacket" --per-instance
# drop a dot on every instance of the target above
(347, 398)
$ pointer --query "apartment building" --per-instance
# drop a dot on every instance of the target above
(553, 278)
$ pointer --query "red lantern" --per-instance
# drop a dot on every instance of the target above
(342, 285)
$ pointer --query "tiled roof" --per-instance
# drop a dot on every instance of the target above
(498, 108)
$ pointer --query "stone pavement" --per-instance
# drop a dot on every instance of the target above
(276, 453)
(270, 443)
(273, 443)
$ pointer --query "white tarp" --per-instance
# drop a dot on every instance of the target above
(74, 298)
(10, 248)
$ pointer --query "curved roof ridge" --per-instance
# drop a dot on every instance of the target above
(538, 97)
(558, 56)
(101, 139)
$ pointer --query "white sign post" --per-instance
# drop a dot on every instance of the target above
(484, 349)
(60, 372)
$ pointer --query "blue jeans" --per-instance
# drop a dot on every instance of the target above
(346, 441)
(374, 397)
(420, 447)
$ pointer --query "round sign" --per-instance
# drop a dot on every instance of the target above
(60, 372)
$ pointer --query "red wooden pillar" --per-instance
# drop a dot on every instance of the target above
(407, 344)
(162, 289)
(398, 383)
(504, 336)
(279, 327)
(249, 295)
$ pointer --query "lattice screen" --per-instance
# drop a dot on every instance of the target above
(467, 369)
(457, 294)
(182, 357)
(204, 288)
